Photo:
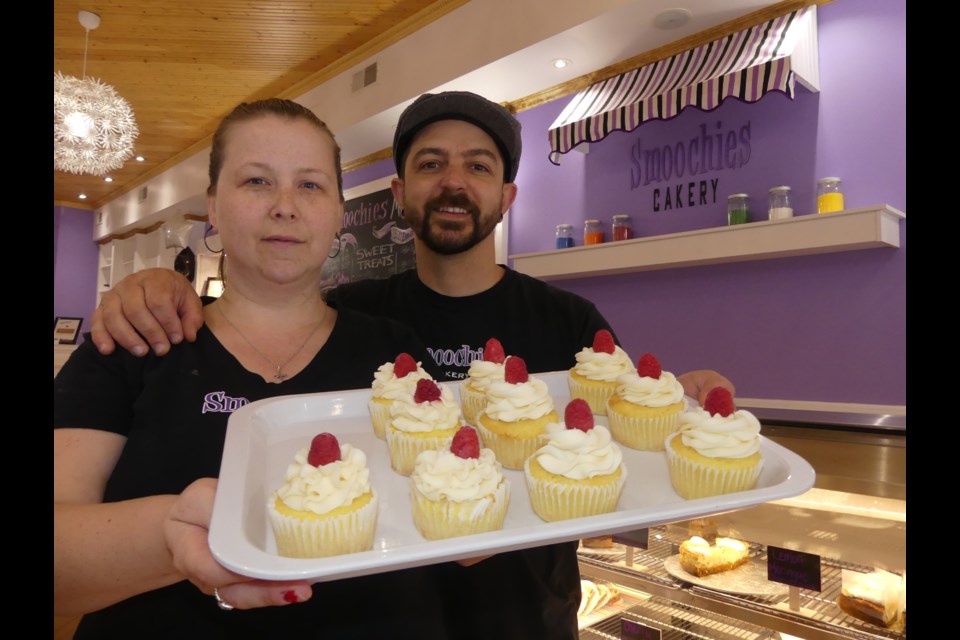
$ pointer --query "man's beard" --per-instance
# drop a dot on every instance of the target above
(455, 240)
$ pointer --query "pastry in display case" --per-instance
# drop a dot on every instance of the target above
(878, 597)
(701, 558)
(711, 576)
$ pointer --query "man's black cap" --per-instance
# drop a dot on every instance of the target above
(460, 105)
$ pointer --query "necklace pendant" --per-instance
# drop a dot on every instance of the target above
(280, 376)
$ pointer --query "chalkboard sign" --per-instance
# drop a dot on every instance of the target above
(375, 242)
(639, 538)
(794, 568)
(631, 630)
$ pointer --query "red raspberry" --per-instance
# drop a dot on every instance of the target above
(515, 370)
(466, 443)
(427, 391)
(403, 365)
(578, 415)
(719, 401)
(649, 367)
(324, 449)
(493, 351)
(603, 342)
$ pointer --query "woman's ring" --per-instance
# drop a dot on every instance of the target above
(223, 604)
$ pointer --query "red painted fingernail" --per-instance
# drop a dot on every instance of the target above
(291, 596)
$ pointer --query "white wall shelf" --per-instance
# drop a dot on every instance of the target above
(849, 230)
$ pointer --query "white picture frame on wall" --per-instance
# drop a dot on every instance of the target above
(66, 330)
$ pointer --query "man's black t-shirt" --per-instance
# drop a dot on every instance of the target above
(530, 594)
(543, 325)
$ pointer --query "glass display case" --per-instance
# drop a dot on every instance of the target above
(854, 519)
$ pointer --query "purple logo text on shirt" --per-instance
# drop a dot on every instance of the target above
(461, 357)
(220, 402)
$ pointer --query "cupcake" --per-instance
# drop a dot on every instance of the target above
(646, 406)
(517, 413)
(326, 506)
(594, 377)
(427, 421)
(716, 450)
(392, 381)
(458, 491)
(579, 472)
(483, 371)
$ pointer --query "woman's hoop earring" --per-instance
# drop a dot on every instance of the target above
(339, 244)
(221, 271)
(205, 236)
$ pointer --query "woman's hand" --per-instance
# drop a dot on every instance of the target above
(185, 530)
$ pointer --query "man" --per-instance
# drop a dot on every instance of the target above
(456, 156)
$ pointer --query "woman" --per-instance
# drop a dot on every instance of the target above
(138, 441)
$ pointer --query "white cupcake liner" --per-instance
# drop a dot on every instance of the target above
(379, 417)
(697, 480)
(405, 448)
(554, 501)
(323, 537)
(510, 452)
(438, 520)
(643, 434)
(472, 402)
(596, 396)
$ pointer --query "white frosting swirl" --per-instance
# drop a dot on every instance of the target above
(650, 392)
(597, 365)
(441, 475)
(716, 436)
(577, 454)
(408, 415)
(482, 373)
(322, 489)
(389, 386)
(510, 402)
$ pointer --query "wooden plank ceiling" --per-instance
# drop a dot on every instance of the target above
(183, 64)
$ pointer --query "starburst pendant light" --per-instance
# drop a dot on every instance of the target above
(93, 127)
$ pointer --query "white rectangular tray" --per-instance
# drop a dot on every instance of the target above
(262, 438)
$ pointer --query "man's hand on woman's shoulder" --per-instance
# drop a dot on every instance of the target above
(154, 307)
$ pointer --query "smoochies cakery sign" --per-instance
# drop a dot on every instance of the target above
(375, 241)
(682, 174)
(683, 171)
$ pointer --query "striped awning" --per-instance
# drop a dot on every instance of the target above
(745, 65)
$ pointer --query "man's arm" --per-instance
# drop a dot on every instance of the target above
(697, 384)
(153, 307)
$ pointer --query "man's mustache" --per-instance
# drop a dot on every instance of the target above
(458, 200)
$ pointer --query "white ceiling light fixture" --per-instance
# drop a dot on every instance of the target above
(560, 63)
(672, 18)
(93, 127)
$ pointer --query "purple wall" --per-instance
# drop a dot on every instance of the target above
(75, 257)
(825, 328)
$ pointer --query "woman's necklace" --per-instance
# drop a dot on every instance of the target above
(279, 375)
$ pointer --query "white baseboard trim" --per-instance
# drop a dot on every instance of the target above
(811, 405)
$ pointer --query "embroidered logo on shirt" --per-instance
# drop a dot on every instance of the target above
(458, 359)
(220, 402)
